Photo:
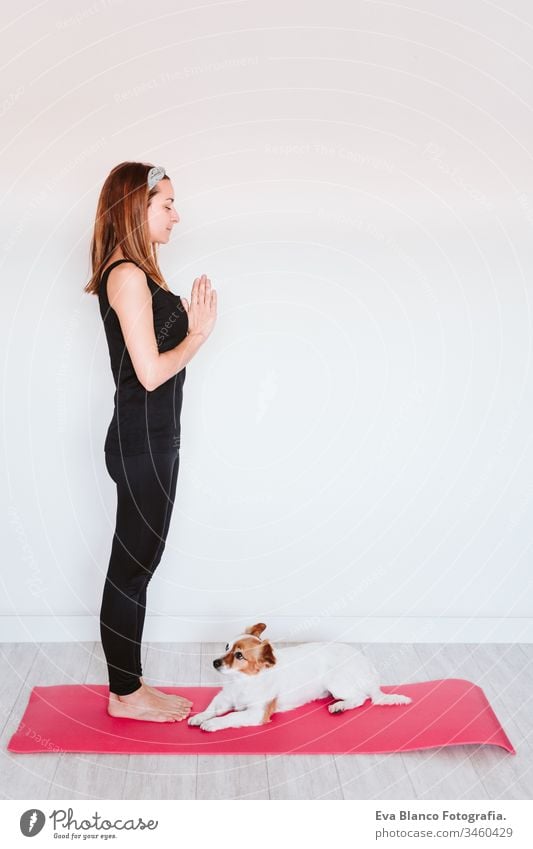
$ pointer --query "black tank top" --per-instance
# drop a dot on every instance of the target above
(144, 422)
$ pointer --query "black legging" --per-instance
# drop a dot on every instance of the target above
(146, 485)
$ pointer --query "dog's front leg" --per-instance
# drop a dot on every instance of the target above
(220, 704)
(235, 719)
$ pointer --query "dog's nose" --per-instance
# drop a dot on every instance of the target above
(217, 663)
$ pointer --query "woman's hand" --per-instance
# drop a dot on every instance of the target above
(202, 312)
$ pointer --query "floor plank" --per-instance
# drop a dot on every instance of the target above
(445, 773)
(30, 775)
(303, 777)
(374, 777)
(16, 660)
(232, 777)
(503, 776)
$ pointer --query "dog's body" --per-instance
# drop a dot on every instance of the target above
(261, 683)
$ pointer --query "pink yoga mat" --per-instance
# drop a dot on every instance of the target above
(451, 712)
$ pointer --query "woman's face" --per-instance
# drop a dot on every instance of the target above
(161, 213)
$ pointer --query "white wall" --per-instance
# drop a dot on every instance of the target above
(356, 179)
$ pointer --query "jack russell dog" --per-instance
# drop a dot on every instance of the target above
(260, 682)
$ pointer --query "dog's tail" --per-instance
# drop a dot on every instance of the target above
(381, 698)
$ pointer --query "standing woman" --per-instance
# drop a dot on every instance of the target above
(152, 334)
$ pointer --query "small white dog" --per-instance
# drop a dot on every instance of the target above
(260, 683)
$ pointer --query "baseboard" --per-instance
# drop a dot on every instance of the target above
(183, 629)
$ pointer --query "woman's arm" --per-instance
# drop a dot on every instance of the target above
(131, 298)
(171, 362)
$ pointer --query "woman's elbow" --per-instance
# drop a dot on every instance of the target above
(149, 385)
(150, 377)
(146, 380)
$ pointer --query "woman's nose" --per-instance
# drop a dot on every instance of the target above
(176, 217)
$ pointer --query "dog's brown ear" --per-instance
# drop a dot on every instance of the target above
(267, 657)
(256, 630)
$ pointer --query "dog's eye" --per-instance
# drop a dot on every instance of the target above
(239, 655)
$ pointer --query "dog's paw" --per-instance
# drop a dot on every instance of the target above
(197, 719)
(336, 707)
(209, 725)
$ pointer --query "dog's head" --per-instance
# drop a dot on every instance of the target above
(247, 654)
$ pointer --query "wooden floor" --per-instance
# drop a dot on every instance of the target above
(505, 672)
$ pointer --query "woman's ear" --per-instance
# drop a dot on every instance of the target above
(267, 655)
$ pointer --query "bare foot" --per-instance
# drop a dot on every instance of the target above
(143, 705)
(177, 701)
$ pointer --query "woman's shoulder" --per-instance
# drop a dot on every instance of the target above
(121, 265)
(123, 278)
(128, 272)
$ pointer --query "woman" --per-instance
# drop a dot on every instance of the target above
(152, 334)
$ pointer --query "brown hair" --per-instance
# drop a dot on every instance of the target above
(121, 220)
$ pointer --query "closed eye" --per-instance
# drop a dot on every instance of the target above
(227, 647)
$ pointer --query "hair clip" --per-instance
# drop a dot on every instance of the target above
(155, 174)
